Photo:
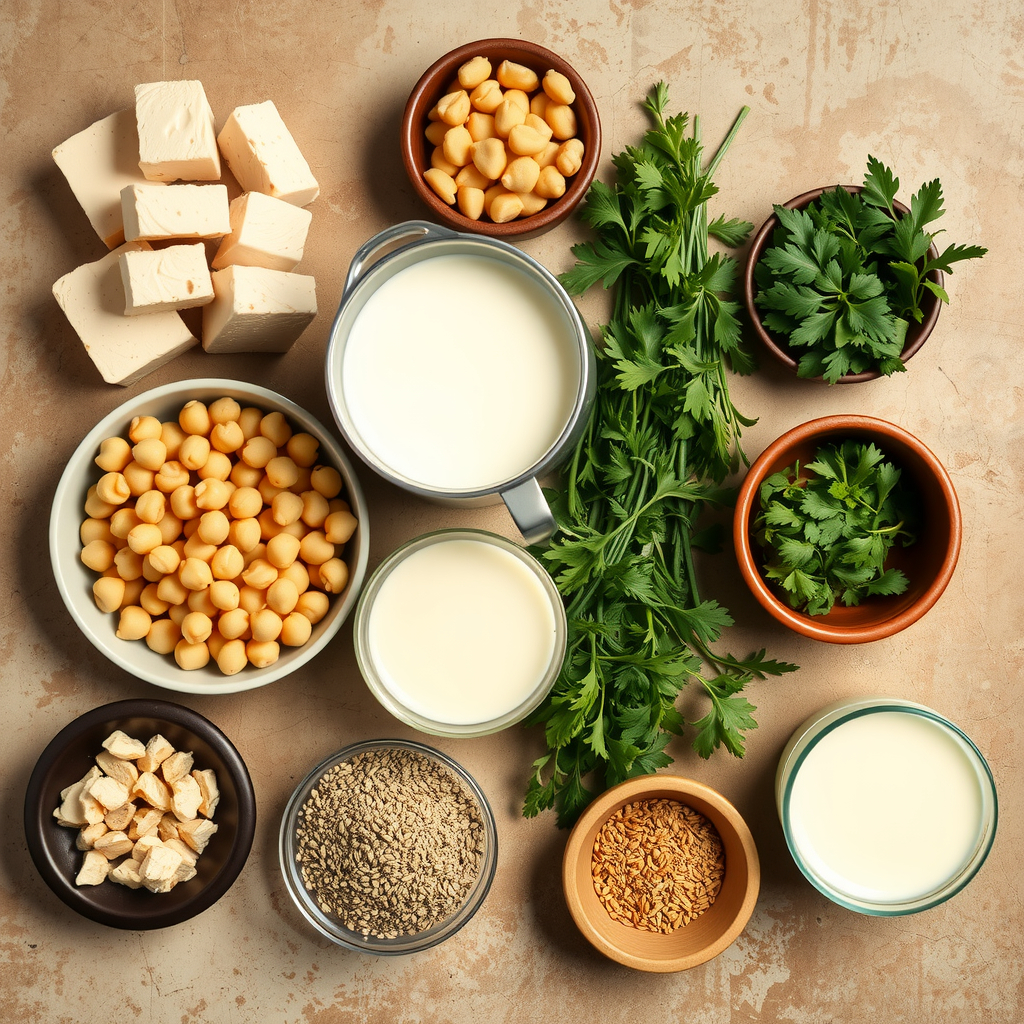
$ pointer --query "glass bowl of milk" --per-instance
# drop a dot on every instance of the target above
(887, 807)
(459, 369)
(460, 632)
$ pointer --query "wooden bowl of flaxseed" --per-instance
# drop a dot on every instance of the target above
(661, 873)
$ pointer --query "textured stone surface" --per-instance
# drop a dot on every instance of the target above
(935, 90)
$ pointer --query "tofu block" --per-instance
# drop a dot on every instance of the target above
(173, 278)
(265, 232)
(123, 348)
(94, 870)
(99, 163)
(257, 310)
(157, 212)
(176, 133)
(263, 156)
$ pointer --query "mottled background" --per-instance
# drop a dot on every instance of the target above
(933, 89)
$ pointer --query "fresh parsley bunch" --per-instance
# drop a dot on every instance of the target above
(828, 534)
(845, 276)
(661, 439)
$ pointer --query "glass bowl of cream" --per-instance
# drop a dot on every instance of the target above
(888, 808)
(460, 632)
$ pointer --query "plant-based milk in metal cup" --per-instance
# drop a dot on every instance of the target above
(459, 368)
(887, 807)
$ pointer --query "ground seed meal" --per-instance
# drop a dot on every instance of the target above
(657, 865)
(390, 842)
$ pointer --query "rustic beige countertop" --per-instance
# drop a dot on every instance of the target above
(933, 89)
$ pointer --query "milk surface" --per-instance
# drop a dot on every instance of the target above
(461, 631)
(887, 806)
(460, 372)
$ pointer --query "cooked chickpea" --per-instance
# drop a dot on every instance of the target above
(142, 427)
(442, 183)
(98, 555)
(480, 126)
(196, 547)
(259, 574)
(183, 502)
(99, 529)
(172, 435)
(228, 563)
(456, 146)
(224, 595)
(439, 162)
(231, 657)
(258, 451)
(95, 507)
(108, 592)
(516, 76)
(245, 476)
(152, 602)
(245, 534)
(115, 454)
(295, 630)
(282, 550)
(265, 625)
(251, 600)
(217, 466)
(113, 489)
(171, 590)
(521, 174)
(562, 119)
(558, 88)
(315, 548)
(470, 201)
(474, 71)
(144, 538)
(134, 623)
(164, 559)
(191, 657)
(151, 506)
(170, 527)
(233, 624)
(333, 576)
(195, 574)
(303, 449)
(194, 451)
(212, 494)
(314, 509)
(170, 475)
(150, 453)
(224, 410)
(550, 183)
(196, 627)
(282, 596)
(488, 156)
(532, 203)
(262, 654)
(507, 116)
(435, 132)
(327, 480)
(298, 574)
(526, 140)
(214, 527)
(569, 158)
(286, 508)
(487, 96)
(453, 108)
(128, 564)
(249, 420)
(339, 527)
(282, 472)
(314, 604)
(194, 418)
(163, 636)
(199, 601)
(139, 478)
(505, 206)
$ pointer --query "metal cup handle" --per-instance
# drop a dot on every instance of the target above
(412, 230)
(530, 511)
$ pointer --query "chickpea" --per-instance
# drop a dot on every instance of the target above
(286, 508)
(115, 454)
(195, 574)
(295, 630)
(262, 654)
(231, 657)
(212, 494)
(196, 547)
(151, 506)
(144, 538)
(439, 162)
(314, 604)
(340, 526)
(487, 96)
(150, 453)
(98, 555)
(170, 528)
(95, 507)
(258, 451)
(228, 563)
(315, 548)
(191, 657)
(196, 627)
(224, 595)
(507, 116)
(525, 140)
(134, 623)
(172, 435)
(224, 410)
(562, 119)
(139, 478)
(226, 437)
(558, 88)
(282, 596)
(214, 527)
(245, 534)
(569, 158)
(194, 418)
(194, 451)
(516, 76)
(521, 174)
(113, 489)
(128, 564)
(259, 574)
(480, 126)
(274, 425)
(164, 559)
(142, 427)
(453, 108)
(151, 601)
(456, 146)
(108, 592)
(171, 590)
(327, 480)
(217, 467)
(245, 476)
(442, 183)
(550, 183)
(170, 475)
(282, 550)
(282, 472)
(435, 132)
(488, 156)
(298, 574)
(249, 420)
(532, 203)
(474, 71)
(163, 636)
(303, 449)
(199, 601)
(333, 576)
(234, 623)
(251, 600)
(470, 201)
(505, 206)
(99, 529)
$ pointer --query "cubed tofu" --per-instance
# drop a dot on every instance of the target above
(263, 156)
(126, 873)
(185, 798)
(176, 766)
(176, 277)
(257, 310)
(72, 812)
(123, 348)
(197, 833)
(117, 768)
(157, 213)
(121, 745)
(175, 126)
(109, 792)
(98, 163)
(265, 232)
(154, 791)
(207, 780)
(121, 817)
(159, 869)
(88, 835)
(113, 845)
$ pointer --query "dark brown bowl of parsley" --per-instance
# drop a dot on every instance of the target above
(847, 529)
(844, 284)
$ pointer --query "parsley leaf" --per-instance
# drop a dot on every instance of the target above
(661, 440)
(845, 277)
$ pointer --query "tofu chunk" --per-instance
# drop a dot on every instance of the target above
(175, 126)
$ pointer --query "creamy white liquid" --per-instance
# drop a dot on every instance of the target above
(461, 632)
(887, 807)
(460, 372)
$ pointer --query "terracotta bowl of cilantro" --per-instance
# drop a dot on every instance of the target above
(464, 90)
(844, 284)
(847, 529)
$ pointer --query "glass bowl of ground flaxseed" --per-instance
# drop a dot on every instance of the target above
(388, 846)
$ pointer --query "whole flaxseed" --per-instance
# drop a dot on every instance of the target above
(389, 843)
(657, 865)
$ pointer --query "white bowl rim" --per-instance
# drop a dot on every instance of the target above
(65, 545)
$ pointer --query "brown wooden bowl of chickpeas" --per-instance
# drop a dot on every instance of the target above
(209, 536)
(501, 137)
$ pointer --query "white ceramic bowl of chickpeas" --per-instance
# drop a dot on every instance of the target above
(209, 536)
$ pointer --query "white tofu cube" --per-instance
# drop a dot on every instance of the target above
(94, 870)
(265, 232)
(173, 278)
(123, 348)
(156, 212)
(99, 163)
(177, 139)
(263, 156)
(257, 310)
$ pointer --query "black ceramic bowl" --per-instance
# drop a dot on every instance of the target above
(68, 757)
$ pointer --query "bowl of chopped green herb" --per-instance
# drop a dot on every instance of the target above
(845, 284)
(847, 529)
